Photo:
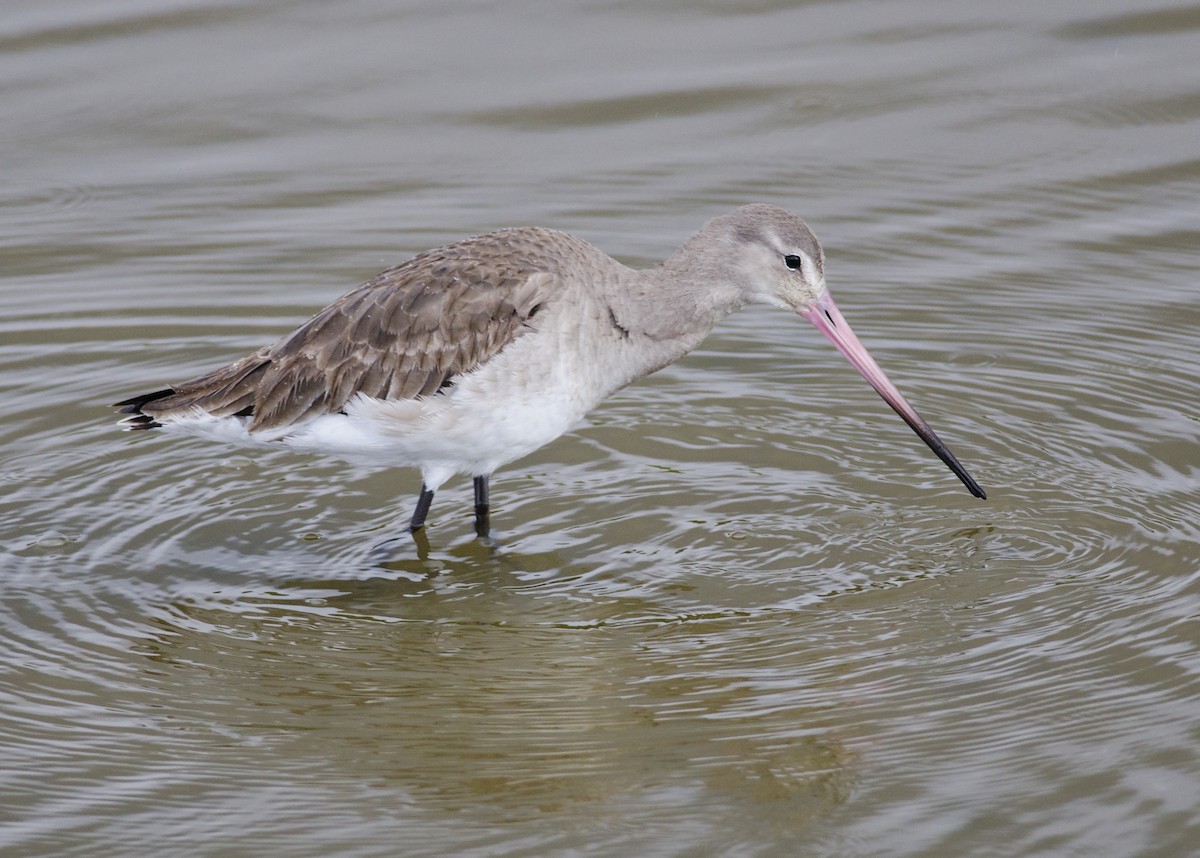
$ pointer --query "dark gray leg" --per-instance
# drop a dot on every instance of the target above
(422, 510)
(483, 519)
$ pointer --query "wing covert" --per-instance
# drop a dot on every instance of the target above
(407, 332)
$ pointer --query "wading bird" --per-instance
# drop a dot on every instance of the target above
(470, 356)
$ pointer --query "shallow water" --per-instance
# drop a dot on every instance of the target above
(744, 611)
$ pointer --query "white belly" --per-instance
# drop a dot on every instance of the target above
(539, 387)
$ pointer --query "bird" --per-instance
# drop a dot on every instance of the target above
(470, 356)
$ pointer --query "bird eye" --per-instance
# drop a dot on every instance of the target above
(793, 262)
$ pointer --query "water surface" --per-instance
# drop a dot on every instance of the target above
(744, 611)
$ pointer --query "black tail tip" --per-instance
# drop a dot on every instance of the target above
(133, 406)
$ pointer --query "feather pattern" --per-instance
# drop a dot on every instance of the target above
(407, 333)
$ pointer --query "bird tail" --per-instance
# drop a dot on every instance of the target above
(137, 418)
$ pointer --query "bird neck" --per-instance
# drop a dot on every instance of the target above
(684, 297)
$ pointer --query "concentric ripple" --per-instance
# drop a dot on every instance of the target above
(744, 610)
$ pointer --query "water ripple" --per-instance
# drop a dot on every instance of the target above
(744, 610)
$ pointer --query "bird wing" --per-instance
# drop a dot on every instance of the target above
(408, 332)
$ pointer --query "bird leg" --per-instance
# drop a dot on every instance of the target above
(483, 521)
(422, 510)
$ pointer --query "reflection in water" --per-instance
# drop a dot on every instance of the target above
(463, 691)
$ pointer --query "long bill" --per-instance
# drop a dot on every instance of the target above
(828, 319)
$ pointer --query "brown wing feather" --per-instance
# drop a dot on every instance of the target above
(405, 333)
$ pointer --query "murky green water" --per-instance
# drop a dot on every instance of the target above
(744, 612)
